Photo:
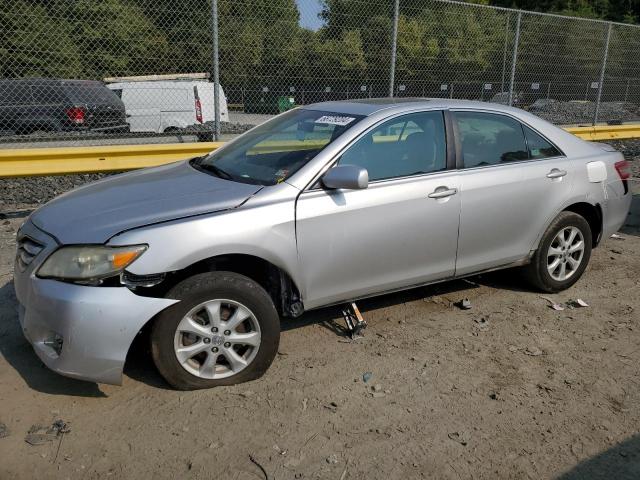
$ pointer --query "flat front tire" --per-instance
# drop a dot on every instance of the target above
(563, 254)
(225, 330)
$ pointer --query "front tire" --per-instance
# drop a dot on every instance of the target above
(225, 330)
(563, 254)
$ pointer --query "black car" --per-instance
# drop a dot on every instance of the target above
(31, 105)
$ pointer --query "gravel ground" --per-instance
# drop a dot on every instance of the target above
(578, 112)
(508, 389)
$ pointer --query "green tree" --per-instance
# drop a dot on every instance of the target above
(32, 44)
(112, 37)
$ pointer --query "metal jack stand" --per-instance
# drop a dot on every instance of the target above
(353, 319)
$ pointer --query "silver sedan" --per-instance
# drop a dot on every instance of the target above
(322, 205)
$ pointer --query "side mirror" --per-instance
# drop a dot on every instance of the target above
(349, 177)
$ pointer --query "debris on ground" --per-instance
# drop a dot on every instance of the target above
(464, 304)
(615, 236)
(332, 459)
(333, 406)
(4, 430)
(40, 434)
(577, 303)
(552, 304)
(533, 351)
(366, 376)
(571, 304)
(462, 438)
(279, 450)
(255, 462)
(482, 323)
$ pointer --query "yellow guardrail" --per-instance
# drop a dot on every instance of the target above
(111, 158)
(57, 161)
(606, 132)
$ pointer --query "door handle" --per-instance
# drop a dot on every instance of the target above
(442, 192)
(555, 173)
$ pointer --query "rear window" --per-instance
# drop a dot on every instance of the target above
(90, 93)
(118, 92)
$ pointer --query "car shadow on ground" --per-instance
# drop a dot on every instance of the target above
(331, 317)
(20, 355)
(620, 462)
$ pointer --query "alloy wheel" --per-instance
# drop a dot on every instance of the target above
(217, 339)
(565, 253)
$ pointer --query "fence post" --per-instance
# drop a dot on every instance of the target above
(626, 90)
(394, 46)
(514, 58)
(504, 53)
(604, 66)
(216, 71)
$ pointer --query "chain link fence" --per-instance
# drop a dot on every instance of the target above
(77, 72)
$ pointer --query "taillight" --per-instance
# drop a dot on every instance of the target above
(76, 115)
(624, 169)
(198, 110)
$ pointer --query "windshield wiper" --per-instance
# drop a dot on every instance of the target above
(217, 171)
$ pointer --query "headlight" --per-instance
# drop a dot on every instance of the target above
(89, 262)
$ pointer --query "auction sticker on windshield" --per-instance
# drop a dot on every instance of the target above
(335, 120)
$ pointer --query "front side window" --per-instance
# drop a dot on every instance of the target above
(539, 147)
(489, 139)
(275, 150)
(412, 144)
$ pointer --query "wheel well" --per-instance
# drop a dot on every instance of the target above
(278, 284)
(592, 214)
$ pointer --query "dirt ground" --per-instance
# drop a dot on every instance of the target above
(508, 389)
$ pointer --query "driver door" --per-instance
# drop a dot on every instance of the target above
(400, 231)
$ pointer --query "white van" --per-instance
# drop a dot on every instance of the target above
(166, 106)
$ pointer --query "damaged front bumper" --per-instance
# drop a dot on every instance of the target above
(82, 332)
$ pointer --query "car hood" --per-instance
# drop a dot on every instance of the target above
(96, 212)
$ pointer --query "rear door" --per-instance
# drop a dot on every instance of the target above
(142, 103)
(178, 106)
(512, 182)
(400, 231)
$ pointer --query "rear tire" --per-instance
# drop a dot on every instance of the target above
(563, 254)
(225, 330)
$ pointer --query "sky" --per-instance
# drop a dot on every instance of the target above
(309, 10)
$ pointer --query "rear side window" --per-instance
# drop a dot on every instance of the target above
(90, 92)
(489, 139)
(412, 144)
(48, 94)
(15, 93)
(538, 146)
(117, 91)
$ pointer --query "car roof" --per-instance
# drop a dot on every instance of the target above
(369, 106)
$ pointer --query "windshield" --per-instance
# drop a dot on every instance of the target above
(275, 150)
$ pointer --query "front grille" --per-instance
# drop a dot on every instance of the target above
(28, 249)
